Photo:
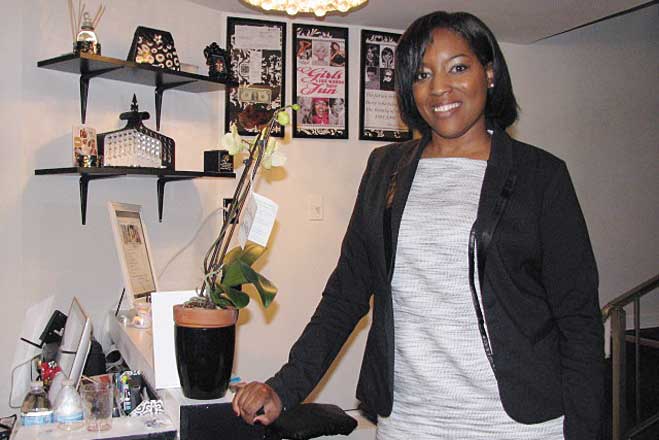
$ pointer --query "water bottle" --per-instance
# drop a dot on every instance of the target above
(68, 408)
(36, 408)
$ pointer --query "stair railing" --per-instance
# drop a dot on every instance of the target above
(615, 310)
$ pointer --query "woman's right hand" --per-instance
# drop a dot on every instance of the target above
(253, 397)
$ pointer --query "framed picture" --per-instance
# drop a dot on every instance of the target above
(257, 54)
(320, 69)
(154, 47)
(133, 250)
(379, 118)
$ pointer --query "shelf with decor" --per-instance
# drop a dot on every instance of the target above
(163, 176)
(90, 66)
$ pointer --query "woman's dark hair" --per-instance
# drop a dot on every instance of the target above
(501, 106)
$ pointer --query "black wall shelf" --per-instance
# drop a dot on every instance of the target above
(163, 175)
(90, 66)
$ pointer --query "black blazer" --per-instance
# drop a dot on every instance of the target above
(539, 289)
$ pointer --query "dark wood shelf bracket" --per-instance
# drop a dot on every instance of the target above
(160, 188)
(160, 91)
(84, 183)
(84, 89)
(95, 173)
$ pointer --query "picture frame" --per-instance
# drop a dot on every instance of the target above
(134, 251)
(76, 342)
(379, 118)
(257, 66)
(154, 47)
(320, 71)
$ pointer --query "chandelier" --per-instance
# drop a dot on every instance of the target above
(318, 7)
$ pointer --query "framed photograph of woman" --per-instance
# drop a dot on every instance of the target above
(257, 54)
(320, 69)
(379, 118)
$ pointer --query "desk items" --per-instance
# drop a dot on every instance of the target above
(154, 47)
(135, 145)
(6, 426)
(85, 150)
(36, 408)
(83, 28)
(218, 161)
(68, 408)
(217, 61)
(98, 400)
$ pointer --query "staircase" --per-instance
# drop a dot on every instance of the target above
(633, 385)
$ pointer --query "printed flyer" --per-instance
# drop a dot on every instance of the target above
(379, 116)
(320, 72)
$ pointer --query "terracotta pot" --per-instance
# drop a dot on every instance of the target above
(204, 342)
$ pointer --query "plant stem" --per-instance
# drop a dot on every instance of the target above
(215, 255)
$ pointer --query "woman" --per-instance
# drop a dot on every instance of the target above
(486, 320)
(338, 56)
(336, 114)
(319, 111)
(320, 53)
(387, 58)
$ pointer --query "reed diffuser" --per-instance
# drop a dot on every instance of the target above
(84, 27)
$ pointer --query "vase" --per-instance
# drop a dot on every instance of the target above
(204, 341)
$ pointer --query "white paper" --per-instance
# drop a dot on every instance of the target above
(135, 252)
(258, 219)
(255, 59)
(261, 37)
(164, 355)
(382, 111)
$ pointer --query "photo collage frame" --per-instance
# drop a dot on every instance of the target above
(257, 54)
(257, 60)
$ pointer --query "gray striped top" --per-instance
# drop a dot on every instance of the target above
(444, 387)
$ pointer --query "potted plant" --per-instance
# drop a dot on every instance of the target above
(205, 325)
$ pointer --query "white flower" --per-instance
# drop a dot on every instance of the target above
(232, 141)
(272, 157)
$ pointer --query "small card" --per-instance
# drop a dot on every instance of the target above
(85, 151)
(258, 218)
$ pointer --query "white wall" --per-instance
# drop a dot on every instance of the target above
(589, 96)
(46, 251)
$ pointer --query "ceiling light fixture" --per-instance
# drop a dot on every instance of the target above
(318, 7)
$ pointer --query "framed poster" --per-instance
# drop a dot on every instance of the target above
(257, 54)
(134, 251)
(379, 118)
(320, 69)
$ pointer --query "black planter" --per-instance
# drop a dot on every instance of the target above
(204, 359)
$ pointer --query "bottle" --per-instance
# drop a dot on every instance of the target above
(68, 408)
(86, 41)
(36, 408)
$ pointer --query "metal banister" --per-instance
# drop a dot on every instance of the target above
(615, 310)
(628, 297)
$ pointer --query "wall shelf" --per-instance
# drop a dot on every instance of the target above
(90, 66)
(163, 176)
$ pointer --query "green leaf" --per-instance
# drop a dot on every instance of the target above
(216, 295)
(266, 289)
(225, 303)
(233, 275)
(239, 298)
(231, 256)
(251, 253)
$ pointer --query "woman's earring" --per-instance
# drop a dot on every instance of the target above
(490, 85)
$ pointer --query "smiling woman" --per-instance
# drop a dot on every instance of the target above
(450, 91)
(473, 250)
